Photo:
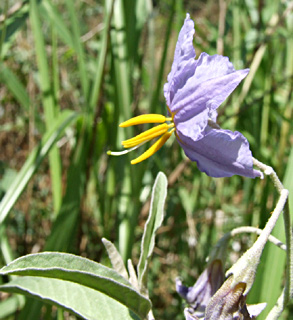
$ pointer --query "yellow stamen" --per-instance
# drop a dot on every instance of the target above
(139, 140)
(147, 135)
(145, 118)
(154, 148)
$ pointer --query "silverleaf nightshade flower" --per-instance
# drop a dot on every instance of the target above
(195, 89)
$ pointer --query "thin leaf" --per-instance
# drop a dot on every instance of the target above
(132, 274)
(33, 162)
(12, 25)
(15, 86)
(115, 257)
(50, 11)
(154, 221)
(101, 57)
(79, 48)
(50, 107)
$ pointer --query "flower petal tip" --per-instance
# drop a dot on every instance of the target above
(260, 174)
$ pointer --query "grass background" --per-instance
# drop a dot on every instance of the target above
(71, 71)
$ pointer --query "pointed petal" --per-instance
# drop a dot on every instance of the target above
(209, 67)
(183, 64)
(181, 288)
(255, 309)
(199, 295)
(220, 153)
(213, 81)
(192, 127)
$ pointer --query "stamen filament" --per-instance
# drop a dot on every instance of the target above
(145, 118)
(120, 153)
(148, 135)
(154, 148)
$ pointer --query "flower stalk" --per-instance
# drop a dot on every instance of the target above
(288, 293)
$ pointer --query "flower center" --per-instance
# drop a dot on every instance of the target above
(161, 130)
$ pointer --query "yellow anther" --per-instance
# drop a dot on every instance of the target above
(147, 135)
(144, 118)
(154, 148)
(139, 140)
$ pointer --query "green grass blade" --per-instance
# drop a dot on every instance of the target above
(15, 86)
(288, 180)
(121, 60)
(6, 251)
(102, 56)
(50, 108)
(3, 29)
(158, 89)
(12, 25)
(50, 11)
(81, 60)
(121, 65)
(67, 218)
(33, 161)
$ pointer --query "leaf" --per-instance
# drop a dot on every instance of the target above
(80, 300)
(154, 221)
(83, 271)
(12, 25)
(15, 86)
(132, 274)
(50, 11)
(33, 161)
(115, 257)
(50, 105)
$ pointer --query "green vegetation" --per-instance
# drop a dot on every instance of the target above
(70, 72)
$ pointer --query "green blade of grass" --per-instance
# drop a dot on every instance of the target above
(35, 158)
(12, 25)
(79, 49)
(158, 89)
(50, 107)
(102, 56)
(121, 62)
(50, 11)
(15, 86)
(76, 178)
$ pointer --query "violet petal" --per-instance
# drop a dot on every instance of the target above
(220, 153)
(183, 64)
(255, 309)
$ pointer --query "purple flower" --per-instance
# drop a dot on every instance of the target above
(212, 299)
(195, 89)
(205, 287)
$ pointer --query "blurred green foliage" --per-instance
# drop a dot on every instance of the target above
(107, 61)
